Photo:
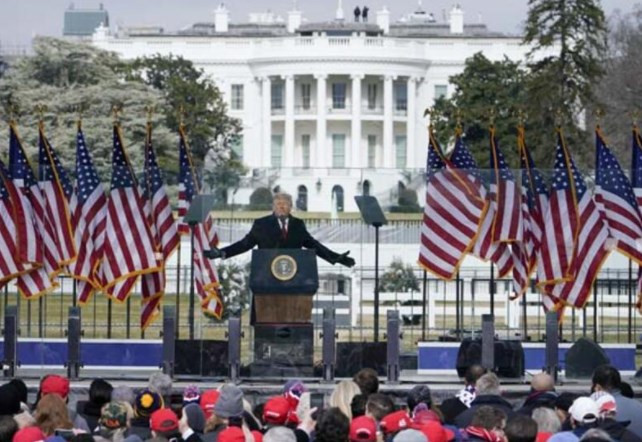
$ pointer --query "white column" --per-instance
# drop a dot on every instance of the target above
(411, 118)
(266, 121)
(388, 150)
(354, 159)
(320, 148)
(288, 160)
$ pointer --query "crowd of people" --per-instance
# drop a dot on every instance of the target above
(355, 411)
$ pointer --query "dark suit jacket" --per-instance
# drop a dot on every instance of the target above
(266, 234)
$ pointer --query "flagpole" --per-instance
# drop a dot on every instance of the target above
(630, 330)
(178, 291)
(457, 319)
(492, 289)
(424, 307)
(191, 288)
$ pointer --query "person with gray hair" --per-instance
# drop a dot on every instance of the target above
(279, 434)
(123, 393)
(488, 393)
(161, 384)
(547, 420)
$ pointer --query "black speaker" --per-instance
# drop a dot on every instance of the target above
(353, 356)
(583, 357)
(201, 357)
(284, 345)
(508, 361)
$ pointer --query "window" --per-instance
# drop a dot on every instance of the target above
(337, 198)
(277, 150)
(237, 147)
(372, 96)
(366, 188)
(277, 95)
(305, 96)
(400, 151)
(305, 151)
(237, 97)
(302, 198)
(372, 151)
(441, 90)
(401, 95)
(338, 150)
(339, 95)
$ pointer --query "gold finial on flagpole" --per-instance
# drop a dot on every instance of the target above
(180, 115)
(116, 111)
(634, 117)
(491, 117)
(558, 118)
(40, 110)
(150, 109)
(80, 108)
(12, 110)
(599, 114)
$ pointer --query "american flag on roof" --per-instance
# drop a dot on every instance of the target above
(89, 220)
(636, 182)
(616, 200)
(56, 203)
(164, 230)
(129, 245)
(452, 213)
(573, 208)
(40, 242)
(484, 247)
(205, 275)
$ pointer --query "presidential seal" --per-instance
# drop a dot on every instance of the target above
(283, 267)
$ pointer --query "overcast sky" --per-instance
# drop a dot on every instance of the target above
(20, 20)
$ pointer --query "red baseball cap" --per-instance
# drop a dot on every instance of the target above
(29, 434)
(208, 400)
(394, 422)
(276, 410)
(363, 428)
(258, 436)
(163, 420)
(55, 384)
(435, 432)
(231, 434)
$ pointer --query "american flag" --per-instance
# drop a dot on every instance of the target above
(484, 247)
(616, 201)
(56, 201)
(89, 220)
(452, 215)
(129, 244)
(636, 182)
(573, 208)
(508, 223)
(205, 275)
(163, 227)
(40, 242)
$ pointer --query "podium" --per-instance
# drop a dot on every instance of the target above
(283, 283)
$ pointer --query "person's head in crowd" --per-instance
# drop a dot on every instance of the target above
(8, 427)
(489, 418)
(191, 395)
(367, 380)
(378, 406)
(29, 434)
(9, 400)
(123, 393)
(605, 404)
(563, 404)
(626, 390)
(54, 384)
(292, 391)
(394, 422)
(21, 388)
(207, 402)
(410, 435)
(473, 373)
(435, 432)
(488, 384)
(162, 384)
(584, 411)
(100, 392)
(194, 417)
(421, 404)
(596, 435)
(358, 405)
(607, 378)
(342, 396)
(332, 426)
(542, 382)
(147, 402)
(51, 413)
(164, 423)
(279, 434)
(114, 420)
(230, 402)
(363, 429)
(231, 434)
(547, 420)
(521, 428)
(276, 411)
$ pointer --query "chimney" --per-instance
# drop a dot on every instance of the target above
(221, 18)
(383, 20)
(456, 20)
(295, 17)
(339, 13)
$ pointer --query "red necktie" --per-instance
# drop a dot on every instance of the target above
(284, 229)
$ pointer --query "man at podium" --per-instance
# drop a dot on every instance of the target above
(280, 230)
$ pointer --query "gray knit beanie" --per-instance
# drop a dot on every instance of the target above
(230, 402)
